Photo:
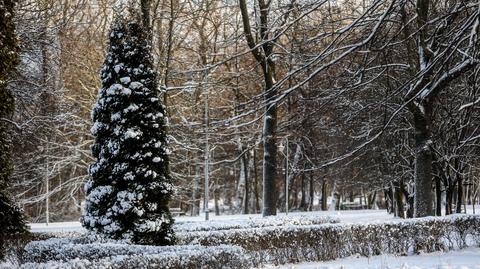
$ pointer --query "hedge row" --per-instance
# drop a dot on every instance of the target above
(244, 248)
(272, 221)
(289, 244)
(62, 254)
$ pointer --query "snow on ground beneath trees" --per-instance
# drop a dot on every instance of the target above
(468, 258)
(198, 222)
(348, 216)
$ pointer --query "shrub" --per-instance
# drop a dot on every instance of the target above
(253, 223)
(71, 253)
(247, 247)
(285, 244)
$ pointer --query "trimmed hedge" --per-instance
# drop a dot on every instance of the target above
(244, 248)
(290, 244)
(197, 226)
(62, 253)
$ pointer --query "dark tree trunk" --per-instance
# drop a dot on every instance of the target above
(399, 203)
(262, 55)
(410, 201)
(459, 195)
(394, 200)
(270, 152)
(423, 162)
(145, 8)
(246, 196)
(303, 201)
(338, 201)
(388, 200)
(438, 196)
(255, 185)
(311, 193)
(324, 195)
(215, 199)
(448, 200)
(371, 199)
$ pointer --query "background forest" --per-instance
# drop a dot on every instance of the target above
(343, 99)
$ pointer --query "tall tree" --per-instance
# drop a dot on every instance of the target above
(129, 187)
(439, 61)
(262, 51)
(11, 218)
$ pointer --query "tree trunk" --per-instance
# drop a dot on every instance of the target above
(195, 206)
(388, 200)
(311, 193)
(335, 200)
(145, 8)
(399, 200)
(394, 199)
(239, 199)
(262, 55)
(459, 195)
(371, 200)
(438, 196)
(303, 201)
(448, 200)
(324, 195)
(215, 199)
(255, 177)
(246, 195)
(423, 162)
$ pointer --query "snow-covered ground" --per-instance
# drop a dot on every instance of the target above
(468, 258)
(345, 216)
(348, 216)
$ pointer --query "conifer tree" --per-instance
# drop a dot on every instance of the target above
(129, 187)
(11, 218)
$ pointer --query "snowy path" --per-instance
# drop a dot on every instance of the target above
(463, 259)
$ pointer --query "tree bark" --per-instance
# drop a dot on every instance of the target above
(195, 206)
(448, 200)
(303, 201)
(262, 56)
(371, 199)
(423, 161)
(438, 197)
(459, 195)
(246, 195)
(255, 186)
(399, 200)
(215, 199)
(145, 8)
(324, 195)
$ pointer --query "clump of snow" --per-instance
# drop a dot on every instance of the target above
(135, 85)
(132, 133)
(125, 80)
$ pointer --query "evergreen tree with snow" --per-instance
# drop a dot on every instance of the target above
(129, 185)
(11, 217)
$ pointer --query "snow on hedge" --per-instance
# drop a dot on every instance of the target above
(246, 247)
(294, 243)
(68, 253)
(218, 225)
